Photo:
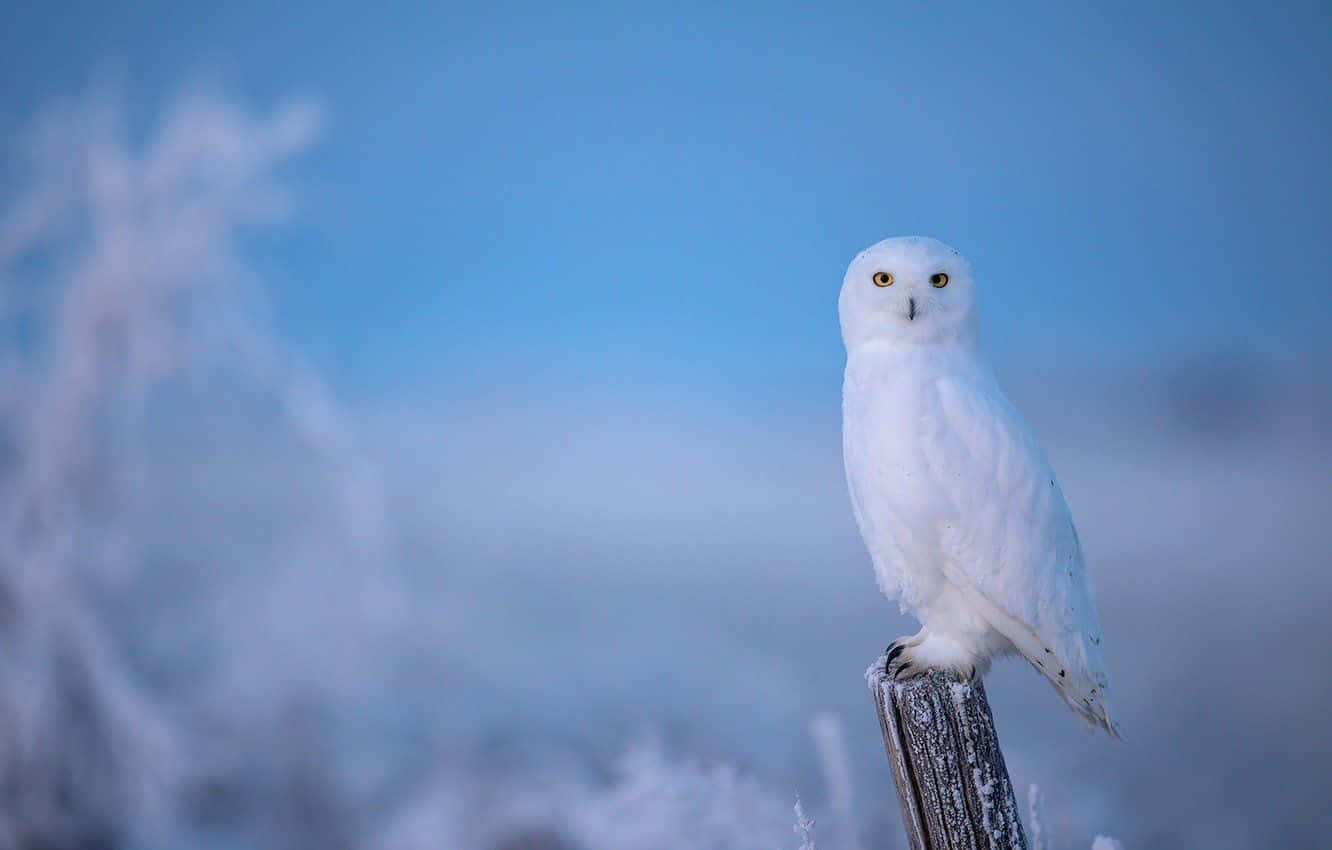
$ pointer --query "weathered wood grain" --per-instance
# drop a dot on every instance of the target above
(945, 757)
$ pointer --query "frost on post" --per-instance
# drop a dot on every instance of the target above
(944, 753)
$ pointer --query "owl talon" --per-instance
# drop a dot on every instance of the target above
(917, 655)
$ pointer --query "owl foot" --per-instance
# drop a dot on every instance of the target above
(896, 650)
(913, 656)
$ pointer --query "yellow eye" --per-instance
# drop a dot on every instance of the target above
(883, 279)
(938, 280)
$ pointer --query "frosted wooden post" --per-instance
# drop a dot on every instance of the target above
(950, 774)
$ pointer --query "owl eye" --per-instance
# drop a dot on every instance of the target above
(883, 279)
(938, 280)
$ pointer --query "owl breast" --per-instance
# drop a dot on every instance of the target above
(887, 414)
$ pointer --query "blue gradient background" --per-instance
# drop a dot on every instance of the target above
(668, 193)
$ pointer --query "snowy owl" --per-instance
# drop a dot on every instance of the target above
(960, 510)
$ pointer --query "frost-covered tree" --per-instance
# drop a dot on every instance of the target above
(119, 274)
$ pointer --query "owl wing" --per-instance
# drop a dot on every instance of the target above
(1008, 539)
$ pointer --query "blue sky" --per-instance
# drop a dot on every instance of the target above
(670, 194)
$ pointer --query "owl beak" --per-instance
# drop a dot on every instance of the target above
(911, 308)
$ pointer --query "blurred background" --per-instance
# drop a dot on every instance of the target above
(419, 425)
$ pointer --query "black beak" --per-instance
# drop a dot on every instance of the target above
(911, 308)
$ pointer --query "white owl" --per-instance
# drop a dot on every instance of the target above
(957, 503)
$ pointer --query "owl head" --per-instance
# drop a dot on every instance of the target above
(908, 290)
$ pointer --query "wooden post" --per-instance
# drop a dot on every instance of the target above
(950, 775)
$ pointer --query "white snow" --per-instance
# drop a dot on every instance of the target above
(830, 744)
(1036, 807)
(804, 827)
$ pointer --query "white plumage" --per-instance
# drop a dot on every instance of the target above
(952, 491)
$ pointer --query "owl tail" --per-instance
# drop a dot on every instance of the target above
(1090, 704)
(1082, 690)
(1082, 686)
